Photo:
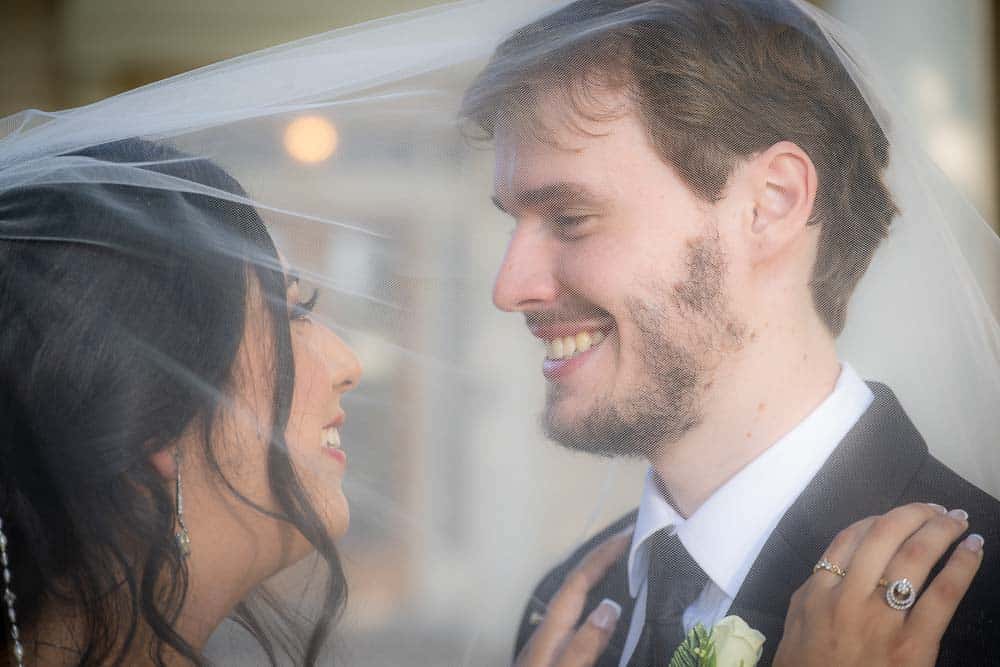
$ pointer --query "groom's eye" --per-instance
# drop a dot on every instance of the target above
(570, 225)
(570, 221)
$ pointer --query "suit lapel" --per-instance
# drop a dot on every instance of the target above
(866, 475)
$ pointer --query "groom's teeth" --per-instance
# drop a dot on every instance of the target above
(331, 438)
(568, 346)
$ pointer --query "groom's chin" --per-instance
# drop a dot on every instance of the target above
(587, 434)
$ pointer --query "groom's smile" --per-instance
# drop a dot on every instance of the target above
(568, 344)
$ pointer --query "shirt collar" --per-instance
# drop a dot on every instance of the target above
(725, 535)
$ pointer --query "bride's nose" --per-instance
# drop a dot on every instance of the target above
(345, 368)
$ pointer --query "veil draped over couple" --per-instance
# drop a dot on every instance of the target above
(705, 220)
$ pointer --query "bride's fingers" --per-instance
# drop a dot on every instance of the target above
(841, 551)
(924, 548)
(592, 638)
(934, 609)
(881, 543)
(566, 607)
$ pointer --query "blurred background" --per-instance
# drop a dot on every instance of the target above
(442, 580)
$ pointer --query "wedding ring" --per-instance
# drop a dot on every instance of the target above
(900, 594)
(830, 567)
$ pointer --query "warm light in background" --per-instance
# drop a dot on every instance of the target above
(311, 139)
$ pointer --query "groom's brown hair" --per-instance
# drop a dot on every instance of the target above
(714, 81)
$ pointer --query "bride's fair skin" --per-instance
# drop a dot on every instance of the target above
(235, 547)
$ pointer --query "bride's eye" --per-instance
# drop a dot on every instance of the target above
(300, 310)
(297, 308)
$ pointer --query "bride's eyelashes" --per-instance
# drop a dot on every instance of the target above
(297, 308)
(300, 310)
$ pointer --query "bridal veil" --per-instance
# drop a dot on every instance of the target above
(350, 147)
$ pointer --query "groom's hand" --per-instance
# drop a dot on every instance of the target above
(558, 641)
(842, 615)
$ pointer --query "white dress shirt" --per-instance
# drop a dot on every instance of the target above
(726, 534)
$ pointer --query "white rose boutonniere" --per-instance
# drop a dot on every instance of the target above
(736, 643)
(731, 643)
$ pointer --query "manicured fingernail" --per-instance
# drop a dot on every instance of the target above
(973, 542)
(961, 515)
(606, 614)
(938, 507)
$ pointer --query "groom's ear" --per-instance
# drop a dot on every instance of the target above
(783, 185)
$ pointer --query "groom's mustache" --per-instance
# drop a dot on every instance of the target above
(548, 318)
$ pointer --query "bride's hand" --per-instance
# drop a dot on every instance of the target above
(557, 641)
(846, 620)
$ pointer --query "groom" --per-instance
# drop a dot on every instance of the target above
(696, 195)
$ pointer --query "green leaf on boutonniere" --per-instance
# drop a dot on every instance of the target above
(697, 649)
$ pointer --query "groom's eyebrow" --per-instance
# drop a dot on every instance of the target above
(550, 195)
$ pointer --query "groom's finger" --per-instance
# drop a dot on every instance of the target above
(566, 607)
(592, 638)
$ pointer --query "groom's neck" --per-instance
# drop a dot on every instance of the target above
(754, 400)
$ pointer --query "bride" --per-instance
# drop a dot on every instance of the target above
(171, 410)
(171, 418)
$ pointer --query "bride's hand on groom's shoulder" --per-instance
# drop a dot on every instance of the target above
(560, 640)
(856, 608)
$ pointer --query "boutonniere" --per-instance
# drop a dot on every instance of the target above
(731, 643)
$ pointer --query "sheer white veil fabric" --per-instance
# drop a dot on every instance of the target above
(457, 503)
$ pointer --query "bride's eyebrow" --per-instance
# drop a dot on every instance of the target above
(291, 278)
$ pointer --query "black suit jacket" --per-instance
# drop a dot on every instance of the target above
(881, 463)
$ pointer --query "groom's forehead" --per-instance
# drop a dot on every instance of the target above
(556, 131)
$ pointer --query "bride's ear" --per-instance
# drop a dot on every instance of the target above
(164, 462)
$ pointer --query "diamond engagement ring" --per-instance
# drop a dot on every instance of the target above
(900, 594)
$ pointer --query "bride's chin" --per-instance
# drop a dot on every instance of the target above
(335, 514)
(338, 527)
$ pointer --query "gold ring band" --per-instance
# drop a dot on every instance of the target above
(830, 567)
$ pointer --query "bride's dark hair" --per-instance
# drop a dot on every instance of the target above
(122, 309)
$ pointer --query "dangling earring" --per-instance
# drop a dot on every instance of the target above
(182, 536)
(8, 596)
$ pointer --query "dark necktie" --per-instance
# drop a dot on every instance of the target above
(675, 581)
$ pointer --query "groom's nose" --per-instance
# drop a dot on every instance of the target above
(526, 280)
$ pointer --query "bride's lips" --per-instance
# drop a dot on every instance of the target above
(336, 453)
(337, 421)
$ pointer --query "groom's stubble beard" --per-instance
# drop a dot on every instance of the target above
(682, 337)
